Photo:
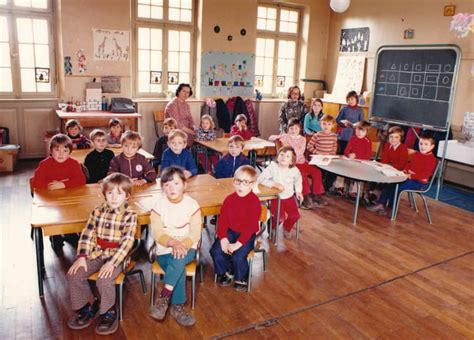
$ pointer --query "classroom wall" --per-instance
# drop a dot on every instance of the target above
(387, 21)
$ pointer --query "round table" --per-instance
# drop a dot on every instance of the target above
(360, 171)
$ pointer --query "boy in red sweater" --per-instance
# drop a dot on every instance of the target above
(419, 171)
(236, 230)
(395, 152)
(59, 171)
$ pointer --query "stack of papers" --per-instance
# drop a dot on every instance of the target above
(322, 159)
(385, 169)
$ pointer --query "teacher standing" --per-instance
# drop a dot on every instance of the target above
(293, 108)
(178, 109)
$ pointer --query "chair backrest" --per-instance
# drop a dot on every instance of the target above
(4, 135)
(158, 118)
(432, 179)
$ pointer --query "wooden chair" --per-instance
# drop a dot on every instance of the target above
(158, 118)
(191, 268)
(421, 192)
(257, 247)
(128, 268)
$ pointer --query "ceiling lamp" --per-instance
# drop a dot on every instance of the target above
(339, 6)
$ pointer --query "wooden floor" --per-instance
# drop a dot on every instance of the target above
(380, 279)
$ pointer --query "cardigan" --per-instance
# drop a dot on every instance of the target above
(362, 147)
(136, 167)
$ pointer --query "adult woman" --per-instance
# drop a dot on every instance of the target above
(311, 120)
(293, 108)
(178, 109)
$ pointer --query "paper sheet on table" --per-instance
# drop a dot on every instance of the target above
(322, 159)
(385, 169)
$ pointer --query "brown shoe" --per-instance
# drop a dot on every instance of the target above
(108, 323)
(319, 199)
(158, 311)
(307, 202)
(84, 317)
(182, 317)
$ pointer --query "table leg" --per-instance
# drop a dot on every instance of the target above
(394, 204)
(277, 220)
(253, 158)
(356, 208)
(39, 259)
(206, 157)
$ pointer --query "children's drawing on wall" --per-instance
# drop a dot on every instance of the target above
(81, 61)
(42, 75)
(349, 77)
(155, 77)
(354, 39)
(173, 78)
(67, 66)
(111, 45)
(227, 74)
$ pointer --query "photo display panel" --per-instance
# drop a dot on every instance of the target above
(415, 85)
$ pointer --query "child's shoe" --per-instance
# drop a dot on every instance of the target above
(287, 234)
(240, 286)
(307, 202)
(182, 317)
(158, 311)
(319, 200)
(224, 280)
(376, 208)
(339, 192)
(108, 323)
(84, 316)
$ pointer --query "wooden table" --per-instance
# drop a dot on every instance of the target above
(80, 154)
(66, 211)
(99, 118)
(253, 148)
(362, 172)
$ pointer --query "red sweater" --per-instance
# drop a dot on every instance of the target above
(245, 134)
(49, 170)
(422, 166)
(240, 214)
(398, 158)
(362, 147)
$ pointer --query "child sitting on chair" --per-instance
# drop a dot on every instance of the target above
(294, 139)
(178, 155)
(162, 143)
(395, 152)
(227, 165)
(131, 163)
(98, 160)
(236, 229)
(176, 227)
(59, 170)
(419, 171)
(284, 176)
(104, 244)
(205, 132)
(74, 131)
(114, 136)
(240, 127)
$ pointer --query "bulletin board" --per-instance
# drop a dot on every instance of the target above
(227, 74)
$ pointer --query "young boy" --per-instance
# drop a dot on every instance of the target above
(98, 160)
(178, 155)
(162, 143)
(240, 127)
(395, 152)
(73, 130)
(104, 244)
(131, 163)
(419, 171)
(236, 229)
(227, 165)
(115, 133)
(59, 171)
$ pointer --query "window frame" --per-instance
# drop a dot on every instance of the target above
(12, 12)
(277, 36)
(165, 25)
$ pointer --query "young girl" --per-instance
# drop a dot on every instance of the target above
(115, 133)
(240, 127)
(312, 118)
(176, 227)
(294, 139)
(346, 118)
(74, 131)
(205, 132)
(284, 176)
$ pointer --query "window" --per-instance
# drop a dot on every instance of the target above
(26, 48)
(277, 41)
(164, 48)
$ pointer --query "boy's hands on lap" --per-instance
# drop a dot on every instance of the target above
(106, 270)
(80, 262)
(233, 247)
(225, 245)
(179, 250)
(55, 185)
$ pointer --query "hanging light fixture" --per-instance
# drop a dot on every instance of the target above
(339, 6)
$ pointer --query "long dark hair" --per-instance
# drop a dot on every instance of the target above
(311, 112)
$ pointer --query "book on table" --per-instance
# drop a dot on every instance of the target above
(322, 159)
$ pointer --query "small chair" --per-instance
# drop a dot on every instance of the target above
(127, 269)
(411, 197)
(158, 118)
(274, 232)
(191, 268)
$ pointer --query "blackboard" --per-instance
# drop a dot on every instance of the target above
(414, 85)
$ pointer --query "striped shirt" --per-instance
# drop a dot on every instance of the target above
(323, 144)
(111, 225)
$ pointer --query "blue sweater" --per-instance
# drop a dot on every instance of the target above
(353, 115)
(184, 160)
(227, 165)
(311, 125)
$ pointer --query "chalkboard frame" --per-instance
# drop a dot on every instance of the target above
(447, 124)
